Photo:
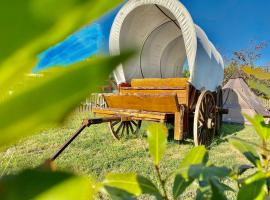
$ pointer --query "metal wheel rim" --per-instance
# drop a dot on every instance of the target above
(120, 129)
(205, 116)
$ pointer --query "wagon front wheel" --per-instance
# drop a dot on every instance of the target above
(120, 129)
(205, 119)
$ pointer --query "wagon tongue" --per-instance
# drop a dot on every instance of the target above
(86, 123)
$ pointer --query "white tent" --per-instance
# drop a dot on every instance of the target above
(239, 99)
(166, 37)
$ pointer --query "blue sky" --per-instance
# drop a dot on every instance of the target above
(232, 24)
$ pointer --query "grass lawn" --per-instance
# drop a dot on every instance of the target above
(260, 87)
(96, 153)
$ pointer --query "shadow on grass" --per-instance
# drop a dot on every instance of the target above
(227, 131)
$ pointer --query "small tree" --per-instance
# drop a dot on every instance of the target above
(249, 55)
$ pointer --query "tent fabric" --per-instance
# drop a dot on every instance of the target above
(165, 36)
(239, 98)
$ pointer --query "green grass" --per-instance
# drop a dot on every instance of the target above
(96, 153)
(260, 87)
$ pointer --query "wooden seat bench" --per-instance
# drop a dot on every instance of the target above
(166, 103)
(177, 86)
(151, 100)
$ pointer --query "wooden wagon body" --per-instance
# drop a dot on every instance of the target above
(173, 101)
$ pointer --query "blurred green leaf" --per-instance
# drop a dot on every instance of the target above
(118, 194)
(243, 168)
(49, 100)
(247, 150)
(157, 141)
(24, 53)
(218, 189)
(262, 129)
(201, 171)
(57, 8)
(44, 185)
(180, 185)
(22, 21)
(253, 187)
(200, 195)
(196, 156)
(203, 193)
(130, 183)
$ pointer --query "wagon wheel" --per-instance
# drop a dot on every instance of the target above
(121, 129)
(204, 119)
(220, 106)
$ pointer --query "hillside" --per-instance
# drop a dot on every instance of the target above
(258, 73)
(257, 78)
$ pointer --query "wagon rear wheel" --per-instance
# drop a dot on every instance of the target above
(220, 106)
(120, 129)
(204, 119)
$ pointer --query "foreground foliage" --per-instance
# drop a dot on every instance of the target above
(194, 170)
(47, 102)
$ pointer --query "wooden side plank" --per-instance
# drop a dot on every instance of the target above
(159, 82)
(154, 88)
(135, 114)
(181, 94)
(143, 102)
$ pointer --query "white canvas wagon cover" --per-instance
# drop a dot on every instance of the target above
(166, 37)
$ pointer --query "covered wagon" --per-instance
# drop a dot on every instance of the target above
(151, 86)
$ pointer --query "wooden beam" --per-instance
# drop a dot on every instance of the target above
(154, 88)
(179, 124)
(159, 82)
(134, 114)
(144, 102)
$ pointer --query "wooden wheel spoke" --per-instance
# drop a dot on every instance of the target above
(201, 114)
(115, 123)
(119, 128)
(200, 122)
(131, 128)
(205, 110)
(211, 107)
(134, 123)
(124, 128)
(127, 127)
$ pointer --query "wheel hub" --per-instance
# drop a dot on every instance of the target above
(210, 123)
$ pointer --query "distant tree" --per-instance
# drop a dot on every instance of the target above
(243, 58)
(229, 71)
(268, 67)
(248, 56)
(186, 73)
